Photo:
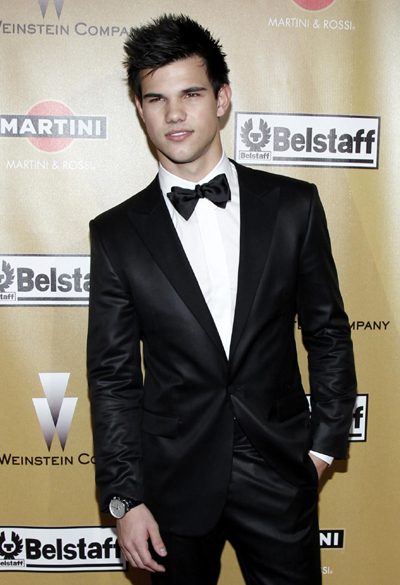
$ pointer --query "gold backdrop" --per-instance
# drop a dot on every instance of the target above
(72, 146)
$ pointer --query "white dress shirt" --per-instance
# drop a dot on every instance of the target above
(210, 239)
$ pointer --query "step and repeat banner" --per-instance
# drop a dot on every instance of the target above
(315, 96)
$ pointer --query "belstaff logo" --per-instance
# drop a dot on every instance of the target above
(60, 549)
(314, 4)
(6, 276)
(58, 4)
(255, 141)
(41, 280)
(307, 140)
(358, 429)
(55, 412)
(51, 126)
(10, 548)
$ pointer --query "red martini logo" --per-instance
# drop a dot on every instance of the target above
(314, 4)
(51, 126)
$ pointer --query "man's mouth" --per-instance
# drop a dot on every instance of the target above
(179, 134)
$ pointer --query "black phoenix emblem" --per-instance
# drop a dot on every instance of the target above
(9, 276)
(9, 549)
(256, 140)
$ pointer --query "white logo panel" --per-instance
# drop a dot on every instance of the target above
(60, 549)
(44, 280)
(307, 140)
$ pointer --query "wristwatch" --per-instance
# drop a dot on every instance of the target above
(120, 506)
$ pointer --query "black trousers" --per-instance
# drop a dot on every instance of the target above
(272, 525)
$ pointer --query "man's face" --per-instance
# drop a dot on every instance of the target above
(181, 115)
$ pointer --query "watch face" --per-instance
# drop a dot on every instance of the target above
(117, 508)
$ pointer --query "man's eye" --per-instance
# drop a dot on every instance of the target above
(192, 94)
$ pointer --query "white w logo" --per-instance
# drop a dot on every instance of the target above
(57, 3)
(55, 412)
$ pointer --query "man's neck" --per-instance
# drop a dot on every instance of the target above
(169, 179)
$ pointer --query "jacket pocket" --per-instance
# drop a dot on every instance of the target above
(160, 425)
(292, 404)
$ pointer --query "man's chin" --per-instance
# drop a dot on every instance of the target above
(180, 159)
(173, 161)
(176, 159)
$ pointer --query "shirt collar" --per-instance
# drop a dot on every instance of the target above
(168, 180)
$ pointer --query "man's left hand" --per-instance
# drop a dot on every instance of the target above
(319, 464)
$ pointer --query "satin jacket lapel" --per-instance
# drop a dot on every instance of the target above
(258, 211)
(154, 225)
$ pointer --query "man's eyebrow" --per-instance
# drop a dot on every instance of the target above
(153, 95)
(193, 89)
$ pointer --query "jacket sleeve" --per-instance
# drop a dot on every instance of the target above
(115, 379)
(326, 336)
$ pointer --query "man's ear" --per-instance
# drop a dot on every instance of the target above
(139, 107)
(224, 99)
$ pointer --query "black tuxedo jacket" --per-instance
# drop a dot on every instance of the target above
(167, 439)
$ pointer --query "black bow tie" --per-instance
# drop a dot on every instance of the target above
(185, 200)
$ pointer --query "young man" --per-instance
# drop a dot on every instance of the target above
(208, 267)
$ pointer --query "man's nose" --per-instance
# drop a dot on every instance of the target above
(175, 112)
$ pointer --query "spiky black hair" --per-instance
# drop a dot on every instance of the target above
(171, 38)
